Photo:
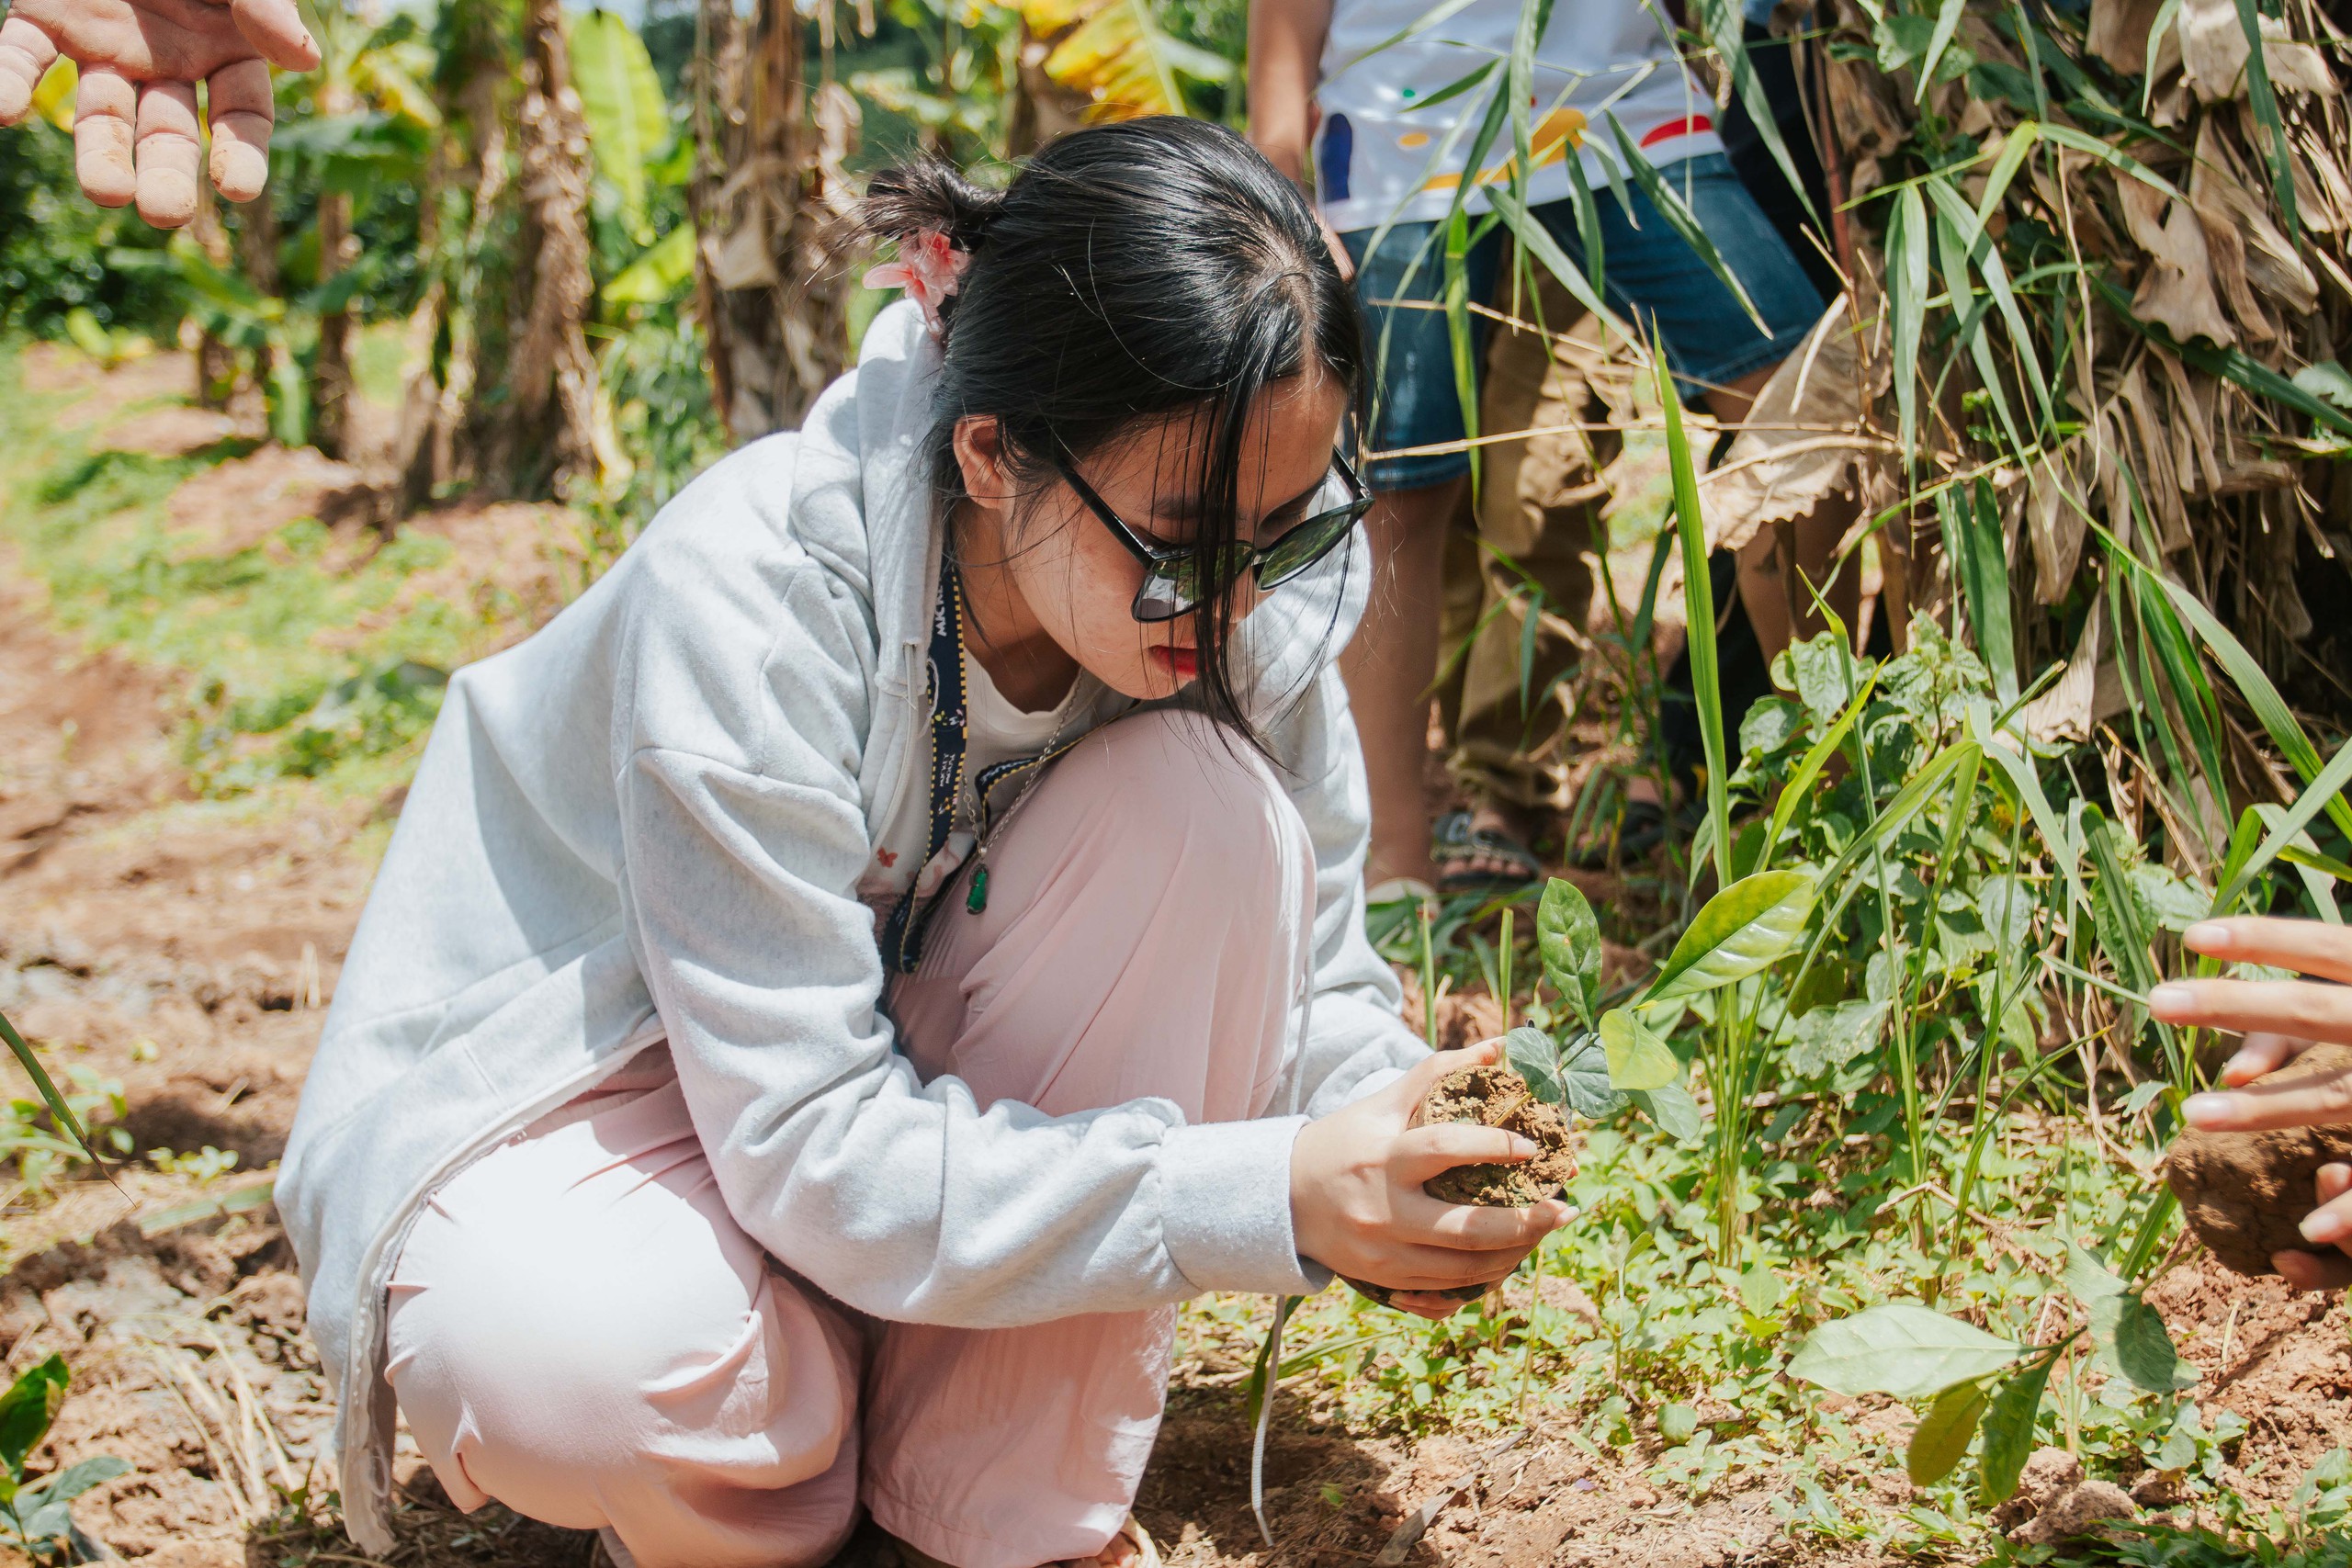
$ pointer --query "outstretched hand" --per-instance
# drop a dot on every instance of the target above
(135, 120)
(2280, 1020)
(1357, 1206)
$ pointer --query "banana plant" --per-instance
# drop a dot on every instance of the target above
(1615, 1056)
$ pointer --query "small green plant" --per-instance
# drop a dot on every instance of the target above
(36, 1514)
(203, 1168)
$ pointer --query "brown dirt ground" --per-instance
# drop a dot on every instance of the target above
(184, 948)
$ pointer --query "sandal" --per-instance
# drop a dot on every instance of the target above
(1457, 840)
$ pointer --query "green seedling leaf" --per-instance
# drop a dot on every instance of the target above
(1761, 1290)
(2088, 1278)
(1676, 1423)
(1532, 1055)
(1676, 1114)
(1900, 1349)
(1638, 1058)
(1941, 1440)
(1827, 1038)
(2144, 1350)
(74, 1480)
(1584, 1075)
(2008, 1433)
(27, 1408)
(1568, 938)
(1746, 927)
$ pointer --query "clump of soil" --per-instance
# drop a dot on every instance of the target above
(1492, 1097)
(1496, 1097)
(2245, 1194)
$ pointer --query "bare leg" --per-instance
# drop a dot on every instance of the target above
(1389, 668)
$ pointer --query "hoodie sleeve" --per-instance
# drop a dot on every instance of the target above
(901, 1199)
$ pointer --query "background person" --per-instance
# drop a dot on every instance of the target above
(1328, 103)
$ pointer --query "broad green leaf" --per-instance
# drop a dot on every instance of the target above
(621, 97)
(1584, 1077)
(2326, 379)
(2089, 1278)
(1532, 1057)
(1676, 1114)
(660, 272)
(1678, 1423)
(27, 1408)
(1637, 1058)
(2144, 1350)
(1900, 1349)
(74, 1480)
(1761, 1290)
(2008, 1433)
(1568, 938)
(1941, 1440)
(1829, 1037)
(1745, 928)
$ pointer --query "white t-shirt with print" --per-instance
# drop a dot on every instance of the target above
(1376, 153)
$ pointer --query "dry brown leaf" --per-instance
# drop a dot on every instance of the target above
(2213, 54)
(2119, 32)
(2322, 188)
(2178, 288)
(2089, 689)
(1771, 475)
(2220, 189)
(2193, 416)
(2055, 520)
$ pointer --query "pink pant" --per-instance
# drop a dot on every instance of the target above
(578, 1330)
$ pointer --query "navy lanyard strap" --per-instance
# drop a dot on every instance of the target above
(902, 936)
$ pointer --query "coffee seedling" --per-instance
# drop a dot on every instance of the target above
(36, 1514)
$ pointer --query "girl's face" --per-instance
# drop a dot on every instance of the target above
(1077, 581)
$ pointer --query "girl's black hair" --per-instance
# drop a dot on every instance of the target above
(1145, 267)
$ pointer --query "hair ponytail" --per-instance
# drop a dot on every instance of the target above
(1133, 270)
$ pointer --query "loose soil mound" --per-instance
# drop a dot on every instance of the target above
(2245, 1193)
(1496, 1097)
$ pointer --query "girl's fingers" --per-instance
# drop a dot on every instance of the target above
(105, 108)
(275, 27)
(2314, 1270)
(1409, 1266)
(1436, 1308)
(1408, 1092)
(2304, 1009)
(1474, 1228)
(167, 152)
(26, 55)
(1424, 1152)
(2311, 946)
(242, 109)
(2260, 1054)
(2331, 1223)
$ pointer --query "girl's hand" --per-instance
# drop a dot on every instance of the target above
(2280, 1020)
(1358, 1209)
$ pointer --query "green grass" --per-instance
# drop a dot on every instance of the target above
(308, 654)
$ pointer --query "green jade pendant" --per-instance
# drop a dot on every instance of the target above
(977, 898)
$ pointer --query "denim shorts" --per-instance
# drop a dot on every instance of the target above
(1649, 275)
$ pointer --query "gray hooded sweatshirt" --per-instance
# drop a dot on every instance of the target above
(648, 822)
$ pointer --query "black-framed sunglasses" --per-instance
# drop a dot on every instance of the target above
(1176, 578)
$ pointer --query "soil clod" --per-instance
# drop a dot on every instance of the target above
(2245, 1194)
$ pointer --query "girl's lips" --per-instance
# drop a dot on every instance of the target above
(1183, 663)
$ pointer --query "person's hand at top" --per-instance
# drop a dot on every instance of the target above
(2280, 1020)
(135, 128)
(1358, 1208)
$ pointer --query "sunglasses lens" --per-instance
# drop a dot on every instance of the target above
(1305, 545)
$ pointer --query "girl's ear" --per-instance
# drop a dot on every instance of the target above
(980, 453)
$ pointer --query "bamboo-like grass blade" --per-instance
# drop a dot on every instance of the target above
(47, 1088)
(1699, 603)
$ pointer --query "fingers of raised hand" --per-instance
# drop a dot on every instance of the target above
(241, 110)
(1429, 1305)
(26, 55)
(2314, 1270)
(1477, 1228)
(275, 27)
(2319, 1100)
(166, 153)
(2311, 946)
(2260, 1054)
(2304, 1009)
(105, 108)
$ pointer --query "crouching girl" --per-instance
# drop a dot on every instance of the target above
(833, 990)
